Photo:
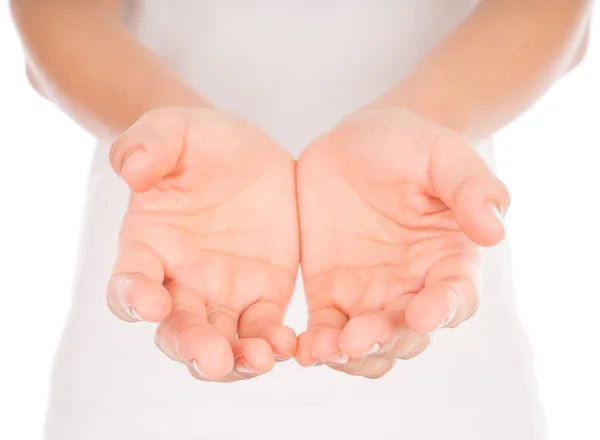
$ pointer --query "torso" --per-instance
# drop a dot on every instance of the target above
(291, 67)
(294, 68)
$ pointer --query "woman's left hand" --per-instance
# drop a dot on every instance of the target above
(392, 209)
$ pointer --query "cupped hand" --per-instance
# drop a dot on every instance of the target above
(209, 244)
(392, 209)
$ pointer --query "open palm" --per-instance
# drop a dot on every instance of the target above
(392, 208)
(209, 243)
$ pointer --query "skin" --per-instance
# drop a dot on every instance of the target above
(177, 264)
(209, 244)
(392, 203)
(390, 255)
(68, 45)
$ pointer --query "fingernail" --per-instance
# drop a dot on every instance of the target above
(447, 320)
(376, 347)
(317, 364)
(339, 360)
(449, 317)
(497, 212)
(197, 368)
(131, 154)
(418, 350)
(443, 323)
(279, 358)
(243, 368)
(134, 314)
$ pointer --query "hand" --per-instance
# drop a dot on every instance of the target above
(391, 208)
(209, 243)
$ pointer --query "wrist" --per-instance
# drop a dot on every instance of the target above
(179, 96)
(434, 100)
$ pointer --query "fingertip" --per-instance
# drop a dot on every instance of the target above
(497, 228)
(151, 305)
(465, 183)
(303, 351)
(427, 314)
(326, 343)
(357, 337)
(139, 296)
(365, 335)
(421, 323)
(138, 172)
(133, 297)
(284, 342)
(256, 355)
(130, 156)
(213, 354)
(484, 226)
(150, 148)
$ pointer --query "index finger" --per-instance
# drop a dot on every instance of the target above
(135, 291)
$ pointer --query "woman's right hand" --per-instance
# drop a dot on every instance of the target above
(209, 244)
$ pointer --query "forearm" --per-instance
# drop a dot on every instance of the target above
(81, 57)
(495, 65)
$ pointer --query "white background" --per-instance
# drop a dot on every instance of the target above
(550, 159)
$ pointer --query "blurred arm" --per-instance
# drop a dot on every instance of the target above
(496, 64)
(81, 57)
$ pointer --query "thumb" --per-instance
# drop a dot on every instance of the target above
(462, 180)
(150, 149)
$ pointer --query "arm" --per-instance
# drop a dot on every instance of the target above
(496, 64)
(81, 57)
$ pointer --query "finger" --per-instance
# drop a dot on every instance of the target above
(463, 181)
(263, 320)
(187, 336)
(373, 367)
(224, 320)
(367, 334)
(319, 320)
(450, 296)
(150, 149)
(252, 357)
(326, 348)
(135, 291)
(326, 327)
(303, 355)
(406, 345)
